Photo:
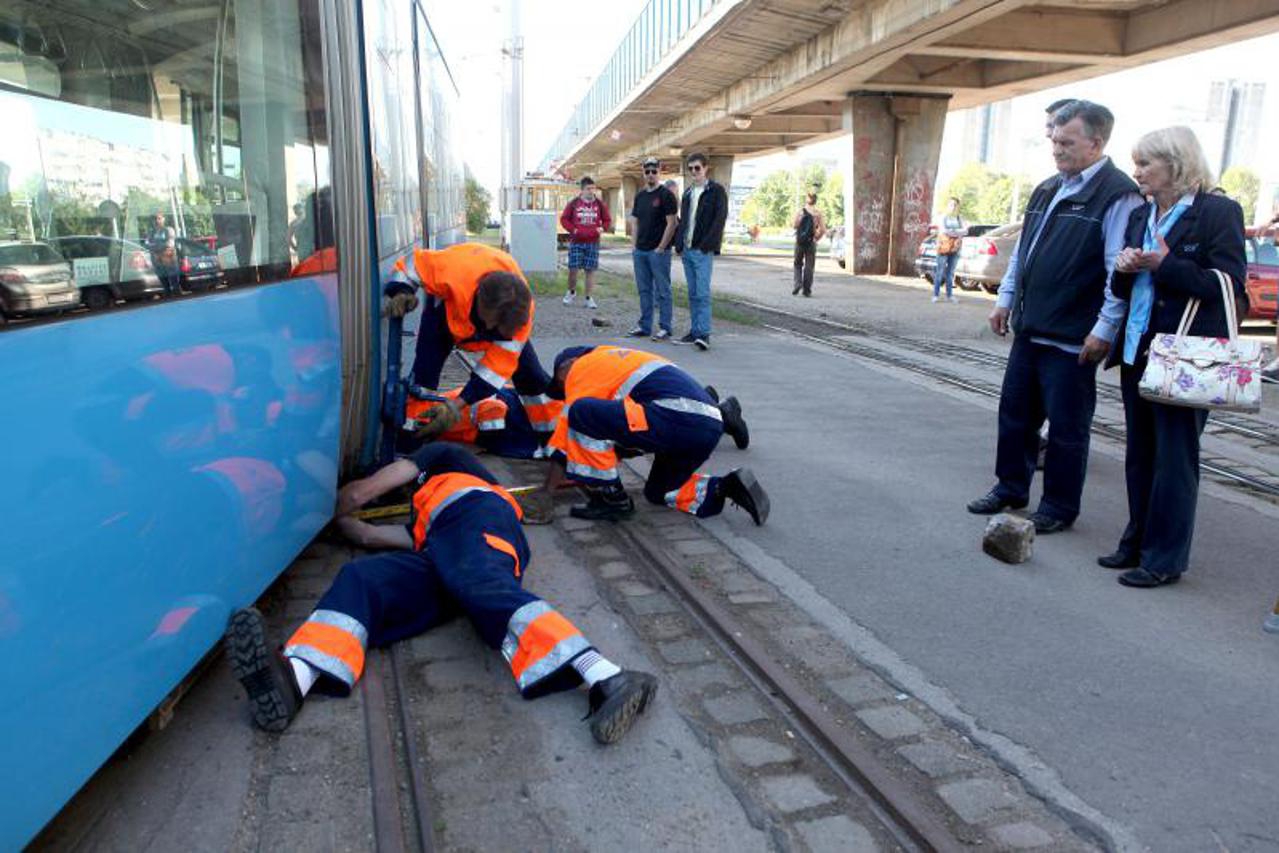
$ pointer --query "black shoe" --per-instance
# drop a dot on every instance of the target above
(991, 503)
(602, 505)
(734, 424)
(702, 344)
(712, 393)
(616, 701)
(808, 293)
(274, 698)
(1119, 560)
(638, 332)
(741, 487)
(1045, 524)
(687, 339)
(795, 291)
(1144, 579)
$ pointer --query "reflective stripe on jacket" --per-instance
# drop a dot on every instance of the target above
(606, 373)
(441, 492)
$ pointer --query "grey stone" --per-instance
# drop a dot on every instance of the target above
(761, 597)
(615, 569)
(794, 792)
(605, 552)
(300, 796)
(1022, 836)
(860, 689)
(892, 722)
(1009, 538)
(697, 547)
(298, 835)
(698, 678)
(648, 605)
(298, 751)
(758, 751)
(684, 651)
(740, 580)
(734, 708)
(665, 627)
(936, 759)
(976, 800)
(837, 834)
(634, 589)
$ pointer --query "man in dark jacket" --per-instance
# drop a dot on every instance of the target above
(1056, 297)
(703, 212)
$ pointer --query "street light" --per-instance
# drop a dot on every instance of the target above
(741, 122)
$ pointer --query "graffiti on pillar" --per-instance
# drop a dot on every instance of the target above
(871, 219)
(917, 207)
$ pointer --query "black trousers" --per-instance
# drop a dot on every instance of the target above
(805, 260)
(435, 344)
(1162, 469)
(1042, 381)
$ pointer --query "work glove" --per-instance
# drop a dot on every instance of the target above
(399, 305)
(437, 420)
(538, 506)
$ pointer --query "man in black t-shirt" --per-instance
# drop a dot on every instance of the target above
(652, 222)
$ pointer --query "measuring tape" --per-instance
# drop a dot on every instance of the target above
(394, 510)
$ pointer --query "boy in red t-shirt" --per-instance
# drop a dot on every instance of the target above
(584, 218)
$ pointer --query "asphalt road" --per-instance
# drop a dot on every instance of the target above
(1156, 708)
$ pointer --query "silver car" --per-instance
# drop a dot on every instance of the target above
(983, 259)
(34, 279)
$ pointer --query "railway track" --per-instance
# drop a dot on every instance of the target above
(1255, 482)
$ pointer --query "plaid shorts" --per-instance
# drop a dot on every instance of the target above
(583, 256)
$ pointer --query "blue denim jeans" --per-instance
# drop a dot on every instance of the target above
(945, 272)
(653, 281)
(697, 272)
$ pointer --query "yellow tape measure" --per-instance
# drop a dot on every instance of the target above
(395, 510)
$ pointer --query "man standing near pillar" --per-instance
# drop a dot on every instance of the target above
(703, 212)
(1056, 297)
(652, 224)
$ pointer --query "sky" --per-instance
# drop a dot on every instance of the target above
(568, 42)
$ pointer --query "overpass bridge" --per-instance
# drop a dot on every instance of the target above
(735, 78)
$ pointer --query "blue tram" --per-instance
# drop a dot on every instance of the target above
(198, 201)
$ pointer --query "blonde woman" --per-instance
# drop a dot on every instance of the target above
(1173, 243)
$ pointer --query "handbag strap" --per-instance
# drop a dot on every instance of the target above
(1227, 305)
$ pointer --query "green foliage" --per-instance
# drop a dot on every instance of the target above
(1243, 185)
(477, 205)
(831, 200)
(773, 199)
(986, 196)
(781, 193)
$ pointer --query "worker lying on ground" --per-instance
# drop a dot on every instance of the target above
(478, 301)
(506, 424)
(630, 401)
(464, 552)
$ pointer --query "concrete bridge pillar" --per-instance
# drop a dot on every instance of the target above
(889, 199)
(625, 198)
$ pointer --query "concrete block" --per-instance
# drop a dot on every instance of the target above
(1022, 836)
(649, 605)
(697, 547)
(794, 792)
(634, 589)
(614, 569)
(937, 759)
(745, 598)
(304, 795)
(666, 626)
(738, 579)
(698, 678)
(734, 709)
(299, 751)
(1009, 538)
(892, 722)
(976, 800)
(836, 834)
(684, 651)
(758, 751)
(860, 689)
(298, 835)
(606, 552)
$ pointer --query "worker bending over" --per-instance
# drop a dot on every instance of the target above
(506, 424)
(463, 552)
(478, 301)
(637, 402)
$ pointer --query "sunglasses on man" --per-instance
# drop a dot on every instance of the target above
(650, 171)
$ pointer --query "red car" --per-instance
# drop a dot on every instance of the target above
(1263, 272)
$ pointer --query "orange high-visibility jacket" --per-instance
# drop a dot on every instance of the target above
(606, 373)
(441, 491)
(453, 275)
(482, 416)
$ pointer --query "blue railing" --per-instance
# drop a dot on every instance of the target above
(659, 27)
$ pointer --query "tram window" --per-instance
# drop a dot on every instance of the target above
(446, 215)
(160, 149)
(397, 197)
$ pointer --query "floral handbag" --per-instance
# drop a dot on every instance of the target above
(1204, 373)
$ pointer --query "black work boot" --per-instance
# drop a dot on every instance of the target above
(734, 424)
(712, 393)
(608, 504)
(741, 487)
(616, 701)
(267, 676)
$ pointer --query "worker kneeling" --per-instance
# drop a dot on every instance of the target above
(464, 552)
(507, 424)
(637, 402)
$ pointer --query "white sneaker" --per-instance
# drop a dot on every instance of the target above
(661, 335)
(954, 299)
(935, 299)
(568, 297)
(590, 303)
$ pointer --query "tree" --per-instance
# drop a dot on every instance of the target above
(986, 196)
(774, 199)
(831, 200)
(477, 205)
(1243, 185)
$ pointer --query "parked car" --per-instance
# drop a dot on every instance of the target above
(983, 258)
(1263, 273)
(34, 279)
(926, 257)
(198, 265)
(129, 274)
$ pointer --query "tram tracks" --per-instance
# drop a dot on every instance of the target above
(1256, 482)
